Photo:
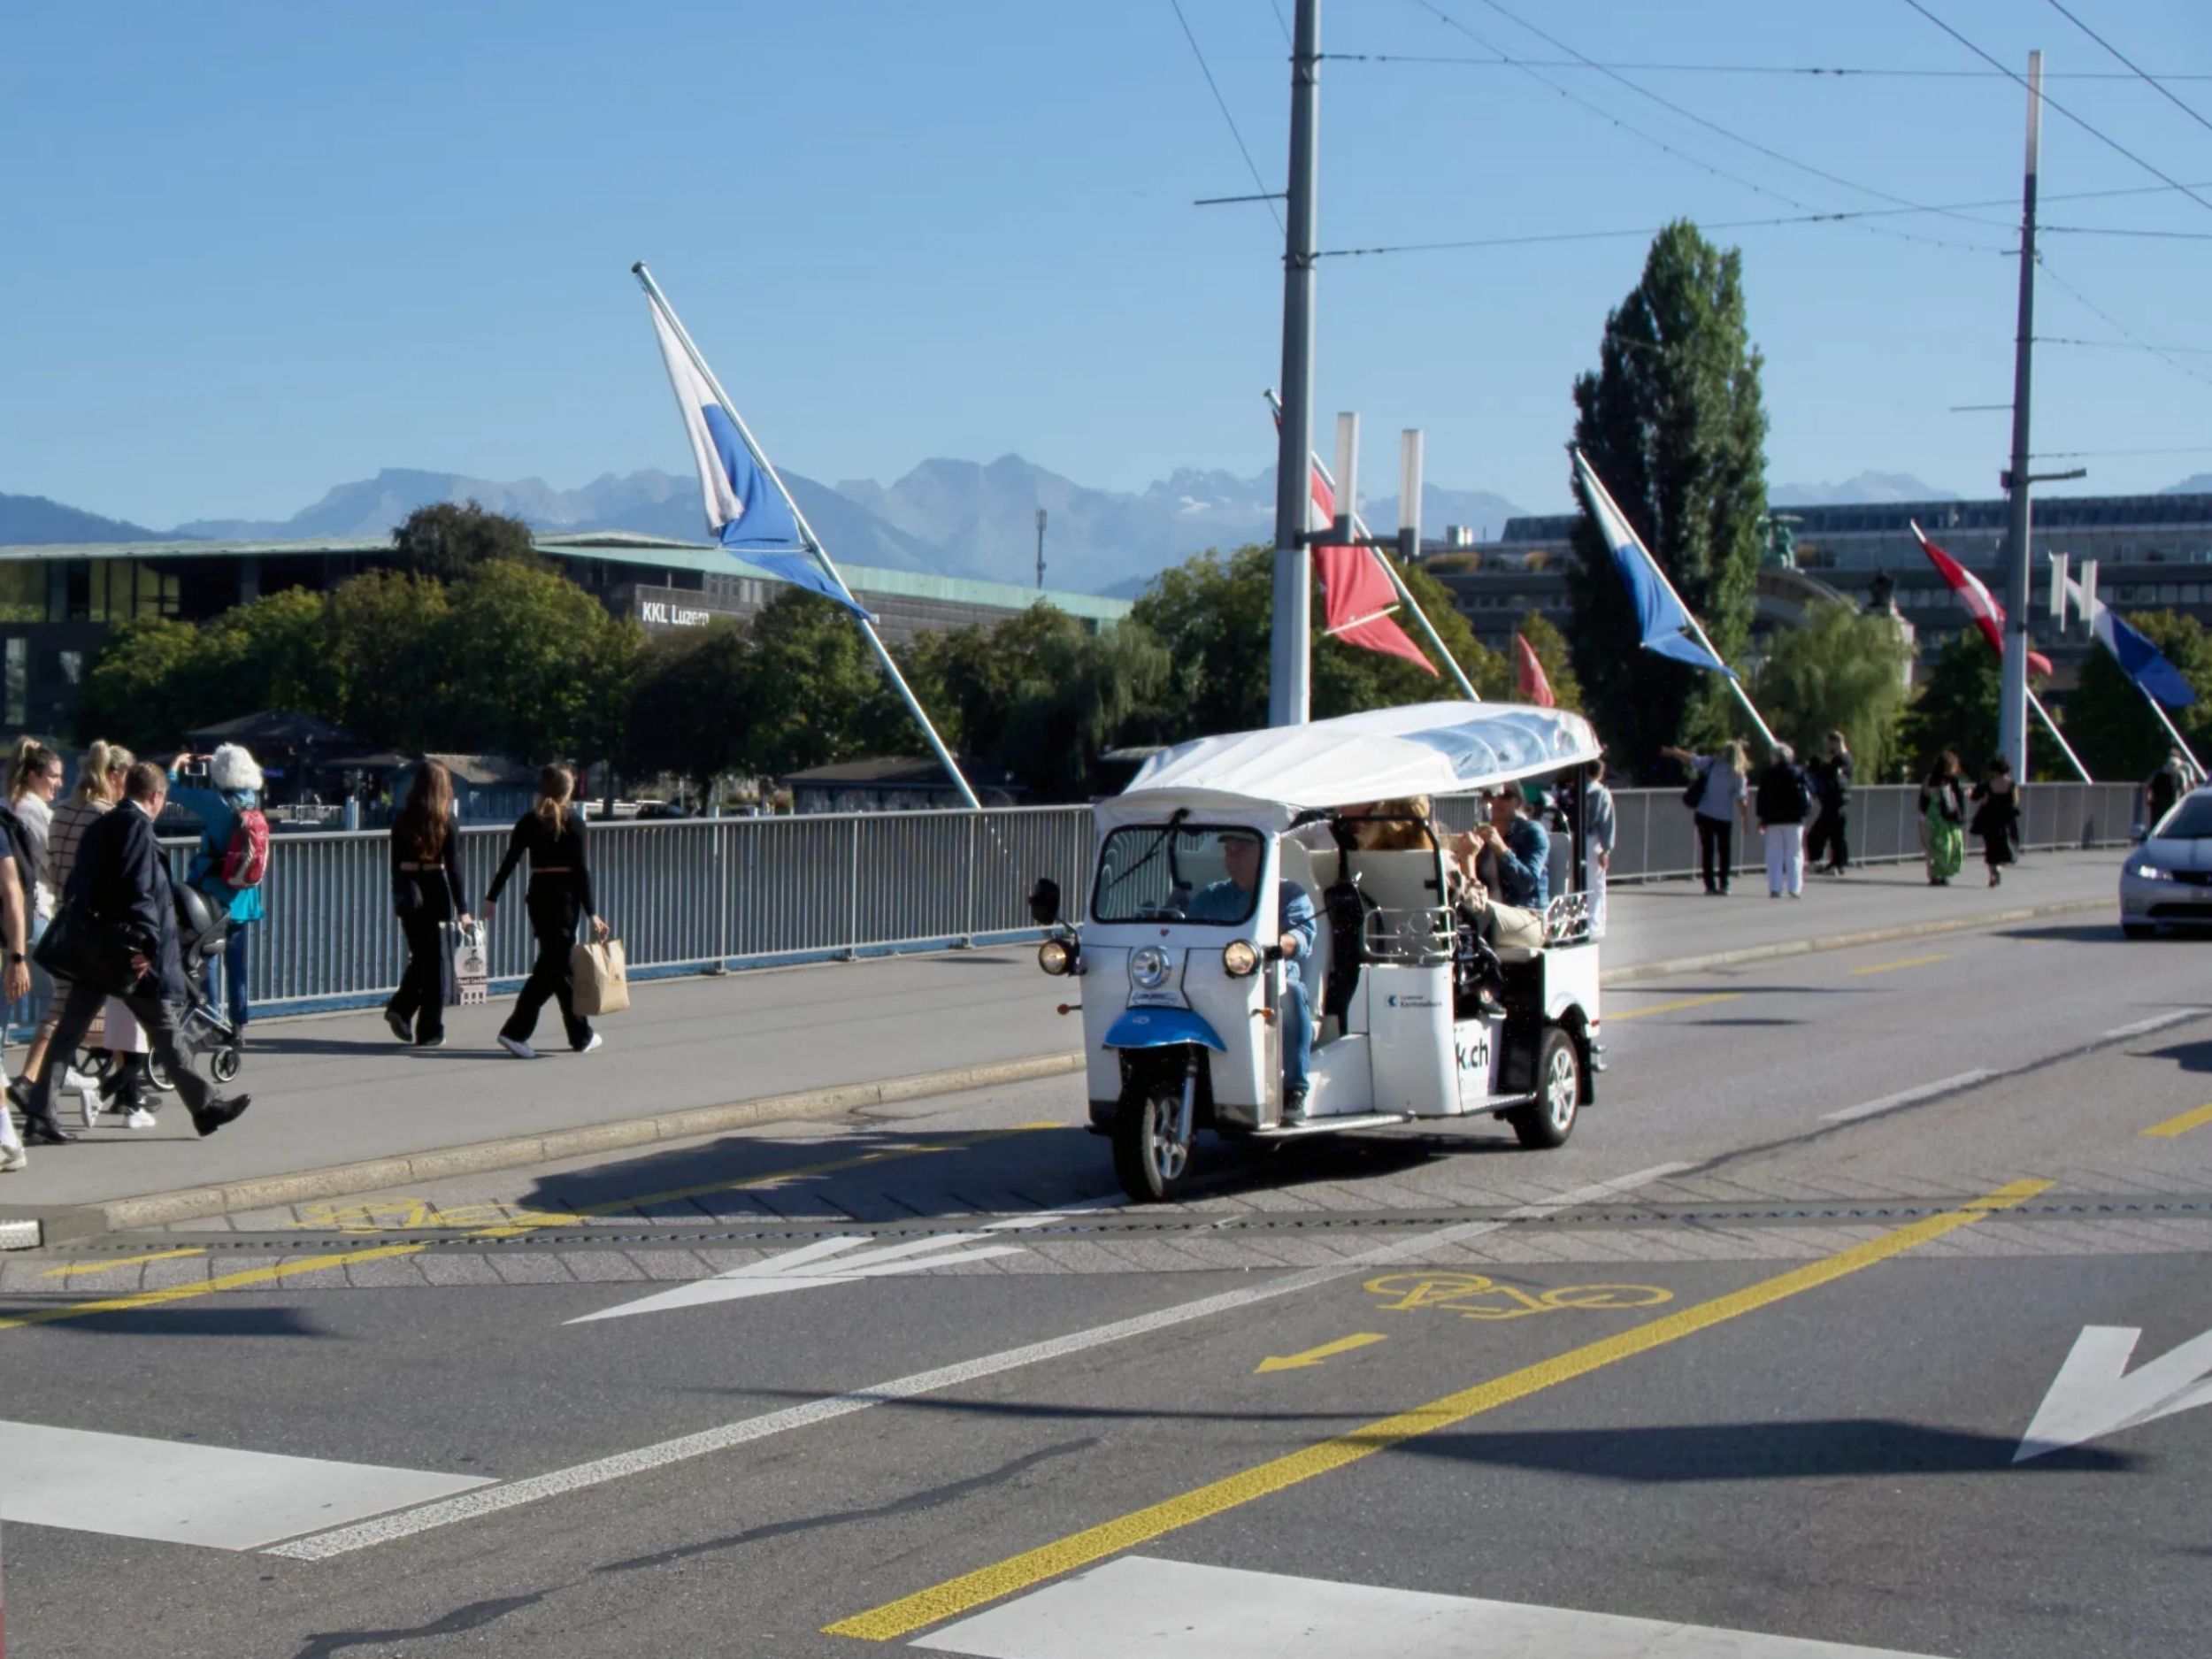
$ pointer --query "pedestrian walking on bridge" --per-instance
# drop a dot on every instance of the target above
(1943, 819)
(1716, 795)
(1782, 802)
(1997, 818)
(552, 834)
(1828, 843)
(426, 895)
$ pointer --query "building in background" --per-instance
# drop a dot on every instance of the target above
(58, 603)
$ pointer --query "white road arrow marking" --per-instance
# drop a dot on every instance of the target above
(2095, 1394)
(841, 1261)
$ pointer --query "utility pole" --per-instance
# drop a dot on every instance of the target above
(1041, 549)
(1287, 679)
(2012, 707)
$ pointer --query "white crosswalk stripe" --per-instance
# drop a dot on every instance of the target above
(1175, 1610)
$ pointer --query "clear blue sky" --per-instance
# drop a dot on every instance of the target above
(253, 250)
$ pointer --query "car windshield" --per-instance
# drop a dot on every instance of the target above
(2191, 821)
(1150, 870)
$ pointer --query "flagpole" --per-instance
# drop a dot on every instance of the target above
(1735, 684)
(659, 301)
(2159, 709)
(2058, 737)
(1359, 528)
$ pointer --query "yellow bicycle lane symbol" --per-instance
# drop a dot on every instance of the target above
(1473, 1296)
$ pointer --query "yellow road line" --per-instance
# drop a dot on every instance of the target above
(257, 1277)
(2182, 1124)
(957, 1596)
(75, 1267)
(1891, 967)
(1612, 1015)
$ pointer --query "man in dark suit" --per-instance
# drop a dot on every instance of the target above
(120, 886)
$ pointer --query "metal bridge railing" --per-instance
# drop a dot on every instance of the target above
(703, 895)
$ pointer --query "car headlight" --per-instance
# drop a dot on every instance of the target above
(1147, 967)
(2151, 872)
(1056, 956)
(1239, 957)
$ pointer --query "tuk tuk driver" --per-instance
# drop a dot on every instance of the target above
(1230, 900)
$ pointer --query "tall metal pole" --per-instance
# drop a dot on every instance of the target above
(1288, 678)
(2012, 710)
(1041, 549)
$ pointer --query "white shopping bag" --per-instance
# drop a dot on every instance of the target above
(471, 966)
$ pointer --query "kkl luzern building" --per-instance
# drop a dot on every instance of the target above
(58, 603)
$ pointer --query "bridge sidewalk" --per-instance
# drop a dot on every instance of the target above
(339, 1107)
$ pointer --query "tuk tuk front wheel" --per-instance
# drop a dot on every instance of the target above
(1150, 1160)
(1549, 1119)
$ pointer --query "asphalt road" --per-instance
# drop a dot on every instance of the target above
(1755, 1353)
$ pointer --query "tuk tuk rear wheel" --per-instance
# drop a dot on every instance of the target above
(1149, 1161)
(1549, 1119)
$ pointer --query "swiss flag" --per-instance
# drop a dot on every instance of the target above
(1529, 678)
(1981, 604)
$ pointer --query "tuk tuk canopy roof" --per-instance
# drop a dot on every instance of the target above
(1384, 754)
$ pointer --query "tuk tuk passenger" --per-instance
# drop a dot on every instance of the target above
(1231, 900)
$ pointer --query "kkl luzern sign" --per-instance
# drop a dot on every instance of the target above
(673, 616)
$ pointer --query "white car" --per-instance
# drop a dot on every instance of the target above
(2166, 878)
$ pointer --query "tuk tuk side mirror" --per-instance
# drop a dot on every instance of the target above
(1044, 902)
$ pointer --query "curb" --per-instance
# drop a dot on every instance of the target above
(71, 1223)
(62, 1223)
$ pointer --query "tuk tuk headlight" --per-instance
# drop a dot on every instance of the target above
(1239, 957)
(1057, 957)
(1147, 967)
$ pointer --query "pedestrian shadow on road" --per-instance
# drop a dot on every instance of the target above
(209, 1318)
(1821, 1449)
(2069, 933)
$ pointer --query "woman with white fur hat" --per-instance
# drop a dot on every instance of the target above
(233, 855)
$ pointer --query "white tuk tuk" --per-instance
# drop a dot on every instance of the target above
(1187, 990)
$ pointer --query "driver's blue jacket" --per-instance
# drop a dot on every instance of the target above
(1225, 900)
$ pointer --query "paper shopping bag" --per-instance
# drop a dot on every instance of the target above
(599, 978)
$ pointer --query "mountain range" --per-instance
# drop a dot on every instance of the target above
(1867, 489)
(945, 516)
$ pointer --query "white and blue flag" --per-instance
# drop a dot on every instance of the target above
(1661, 619)
(2140, 660)
(746, 511)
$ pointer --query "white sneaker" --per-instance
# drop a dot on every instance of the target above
(596, 1041)
(75, 1082)
(140, 1119)
(13, 1157)
(520, 1051)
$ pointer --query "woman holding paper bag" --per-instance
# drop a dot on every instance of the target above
(552, 833)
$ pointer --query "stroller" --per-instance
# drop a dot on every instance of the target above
(202, 934)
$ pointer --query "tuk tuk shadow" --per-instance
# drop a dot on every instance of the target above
(857, 1173)
(1820, 1449)
(2187, 1057)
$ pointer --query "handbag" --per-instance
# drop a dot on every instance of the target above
(79, 946)
(599, 976)
(472, 966)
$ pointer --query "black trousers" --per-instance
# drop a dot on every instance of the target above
(1715, 851)
(83, 1005)
(1831, 835)
(420, 999)
(554, 913)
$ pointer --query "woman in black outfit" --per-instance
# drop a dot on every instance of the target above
(427, 894)
(552, 833)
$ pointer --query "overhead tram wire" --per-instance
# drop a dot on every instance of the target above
(2153, 82)
(2119, 345)
(1689, 114)
(1221, 103)
(1613, 119)
(2103, 138)
(2111, 321)
(1834, 71)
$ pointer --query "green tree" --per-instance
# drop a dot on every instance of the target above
(687, 716)
(131, 695)
(1956, 705)
(2107, 721)
(272, 652)
(450, 540)
(1211, 614)
(533, 666)
(1673, 423)
(1841, 670)
(387, 633)
(1552, 650)
(813, 692)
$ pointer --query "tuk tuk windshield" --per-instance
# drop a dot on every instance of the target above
(1188, 872)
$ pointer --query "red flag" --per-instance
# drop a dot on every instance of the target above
(1530, 681)
(1980, 603)
(1357, 594)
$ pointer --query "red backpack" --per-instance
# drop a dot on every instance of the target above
(246, 860)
